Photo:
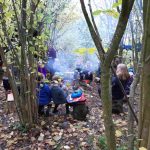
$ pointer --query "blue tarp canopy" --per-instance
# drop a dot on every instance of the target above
(138, 47)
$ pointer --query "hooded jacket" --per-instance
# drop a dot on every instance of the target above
(44, 94)
(58, 95)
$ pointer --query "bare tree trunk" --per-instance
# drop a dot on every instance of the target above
(106, 60)
(131, 132)
(144, 131)
(107, 107)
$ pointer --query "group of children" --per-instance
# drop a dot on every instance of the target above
(57, 92)
(47, 92)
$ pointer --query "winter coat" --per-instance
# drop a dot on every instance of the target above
(117, 93)
(51, 53)
(58, 95)
(76, 94)
(6, 83)
(44, 94)
(42, 70)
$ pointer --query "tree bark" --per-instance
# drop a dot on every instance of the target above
(145, 98)
(107, 107)
(106, 59)
(130, 115)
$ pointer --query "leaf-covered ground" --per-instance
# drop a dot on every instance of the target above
(60, 132)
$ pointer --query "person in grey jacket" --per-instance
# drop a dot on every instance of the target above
(58, 96)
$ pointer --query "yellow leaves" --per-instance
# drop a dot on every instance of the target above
(142, 148)
(118, 133)
(1, 1)
(91, 50)
(82, 51)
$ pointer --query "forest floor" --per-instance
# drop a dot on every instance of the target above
(60, 132)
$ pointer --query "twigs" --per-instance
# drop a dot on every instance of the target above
(95, 27)
(92, 30)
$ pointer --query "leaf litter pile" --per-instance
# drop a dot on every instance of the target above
(60, 132)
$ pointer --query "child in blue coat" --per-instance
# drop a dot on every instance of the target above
(43, 95)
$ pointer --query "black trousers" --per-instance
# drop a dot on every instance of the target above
(41, 109)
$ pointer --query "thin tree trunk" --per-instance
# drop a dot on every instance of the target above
(106, 60)
(145, 119)
(107, 107)
(130, 116)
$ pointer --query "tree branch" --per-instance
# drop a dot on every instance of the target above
(92, 31)
(18, 24)
(120, 29)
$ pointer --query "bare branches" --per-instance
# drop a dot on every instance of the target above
(95, 27)
(120, 29)
(15, 10)
(93, 21)
(92, 31)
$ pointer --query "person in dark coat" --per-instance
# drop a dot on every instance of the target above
(1, 62)
(51, 60)
(126, 80)
(58, 96)
(42, 69)
(6, 83)
(44, 95)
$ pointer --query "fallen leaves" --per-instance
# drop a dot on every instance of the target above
(50, 142)
(66, 147)
(41, 137)
(118, 133)
(142, 148)
(64, 131)
(57, 138)
(43, 123)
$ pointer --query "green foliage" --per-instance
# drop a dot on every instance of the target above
(20, 127)
(117, 4)
(90, 140)
(102, 143)
(97, 12)
(122, 148)
(111, 12)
